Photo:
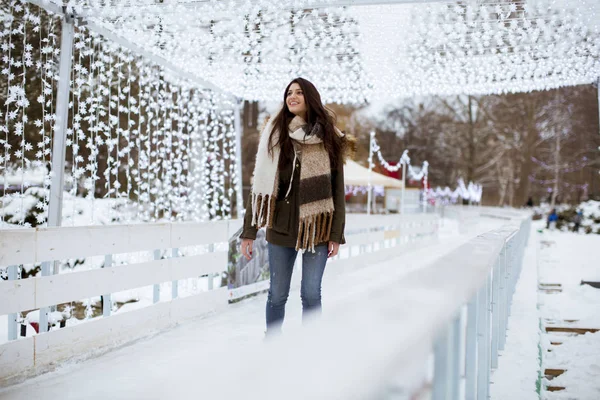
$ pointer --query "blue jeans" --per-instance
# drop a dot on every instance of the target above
(281, 265)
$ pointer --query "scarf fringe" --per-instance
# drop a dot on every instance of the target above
(313, 230)
(263, 207)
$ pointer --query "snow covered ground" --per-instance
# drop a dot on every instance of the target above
(171, 365)
(518, 365)
(567, 259)
(553, 258)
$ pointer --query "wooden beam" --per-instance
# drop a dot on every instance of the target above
(552, 373)
(579, 331)
(595, 285)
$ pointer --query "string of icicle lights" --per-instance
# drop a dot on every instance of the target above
(142, 144)
(249, 49)
(412, 172)
(358, 53)
(471, 192)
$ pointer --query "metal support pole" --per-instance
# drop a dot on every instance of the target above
(471, 349)
(107, 298)
(238, 159)
(12, 318)
(60, 129)
(59, 145)
(156, 290)
(369, 186)
(175, 284)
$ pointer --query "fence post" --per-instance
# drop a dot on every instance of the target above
(471, 348)
(12, 318)
(211, 249)
(455, 373)
(441, 366)
(483, 343)
(495, 314)
(43, 323)
(488, 335)
(504, 306)
(446, 376)
(175, 284)
(156, 291)
(513, 267)
(107, 298)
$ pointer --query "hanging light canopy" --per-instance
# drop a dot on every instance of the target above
(358, 50)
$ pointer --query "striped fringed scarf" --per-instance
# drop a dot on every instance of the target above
(316, 199)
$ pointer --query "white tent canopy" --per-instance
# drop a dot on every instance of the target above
(357, 175)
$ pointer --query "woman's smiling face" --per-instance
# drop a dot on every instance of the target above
(295, 100)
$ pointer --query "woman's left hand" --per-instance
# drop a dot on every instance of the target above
(334, 247)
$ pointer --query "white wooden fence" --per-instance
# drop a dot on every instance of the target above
(37, 353)
(27, 356)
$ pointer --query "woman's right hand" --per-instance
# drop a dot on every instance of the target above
(247, 248)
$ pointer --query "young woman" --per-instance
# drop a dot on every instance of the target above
(298, 195)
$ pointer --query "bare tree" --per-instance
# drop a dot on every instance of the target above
(517, 146)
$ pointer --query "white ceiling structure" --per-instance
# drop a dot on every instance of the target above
(359, 50)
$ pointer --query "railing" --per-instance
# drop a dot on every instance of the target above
(168, 241)
(25, 246)
(491, 288)
(378, 345)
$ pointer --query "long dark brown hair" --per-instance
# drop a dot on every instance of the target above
(315, 112)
